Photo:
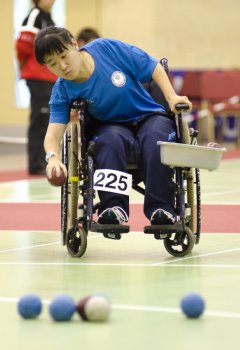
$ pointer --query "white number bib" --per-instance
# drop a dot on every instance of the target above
(112, 181)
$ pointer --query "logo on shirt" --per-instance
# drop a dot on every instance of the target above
(118, 78)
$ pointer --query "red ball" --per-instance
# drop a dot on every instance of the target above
(80, 307)
(57, 180)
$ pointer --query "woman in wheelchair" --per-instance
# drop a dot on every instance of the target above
(109, 74)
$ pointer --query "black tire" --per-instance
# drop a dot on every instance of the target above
(76, 241)
(64, 192)
(70, 191)
(73, 175)
(189, 176)
(198, 198)
(180, 244)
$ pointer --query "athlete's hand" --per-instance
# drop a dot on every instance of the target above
(54, 162)
(174, 100)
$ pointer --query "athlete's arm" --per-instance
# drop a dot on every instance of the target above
(52, 143)
(162, 80)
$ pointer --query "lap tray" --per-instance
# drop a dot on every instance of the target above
(190, 156)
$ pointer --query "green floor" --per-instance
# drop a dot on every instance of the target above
(144, 283)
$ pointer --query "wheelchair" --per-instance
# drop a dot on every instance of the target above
(78, 193)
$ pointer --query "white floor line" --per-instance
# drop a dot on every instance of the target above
(21, 181)
(196, 256)
(219, 193)
(147, 308)
(30, 201)
(131, 233)
(13, 140)
(32, 231)
(77, 263)
(36, 246)
(221, 203)
(203, 203)
(29, 247)
(222, 266)
(109, 264)
(143, 308)
(139, 265)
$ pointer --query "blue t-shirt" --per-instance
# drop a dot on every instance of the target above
(114, 88)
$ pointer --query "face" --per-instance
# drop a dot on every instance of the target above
(66, 65)
(46, 5)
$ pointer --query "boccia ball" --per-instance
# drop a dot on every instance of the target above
(57, 180)
(29, 306)
(214, 145)
(94, 308)
(192, 305)
(62, 308)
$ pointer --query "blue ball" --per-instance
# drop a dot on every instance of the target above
(29, 306)
(192, 305)
(62, 308)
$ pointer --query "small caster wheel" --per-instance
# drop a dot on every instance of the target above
(180, 244)
(76, 241)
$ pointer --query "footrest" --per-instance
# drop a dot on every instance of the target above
(164, 229)
(95, 227)
(110, 231)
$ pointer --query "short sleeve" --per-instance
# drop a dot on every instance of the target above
(59, 104)
(143, 64)
(137, 61)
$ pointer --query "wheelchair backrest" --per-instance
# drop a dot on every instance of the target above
(157, 94)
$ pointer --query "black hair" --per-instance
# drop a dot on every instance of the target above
(87, 34)
(51, 40)
(35, 2)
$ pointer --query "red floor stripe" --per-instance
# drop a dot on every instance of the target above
(46, 217)
(231, 154)
(15, 175)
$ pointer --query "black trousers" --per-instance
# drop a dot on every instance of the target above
(40, 92)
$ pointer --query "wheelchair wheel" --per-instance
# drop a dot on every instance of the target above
(64, 192)
(76, 241)
(189, 176)
(180, 244)
(69, 191)
(73, 176)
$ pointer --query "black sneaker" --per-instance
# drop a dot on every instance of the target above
(162, 217)
(113, 216)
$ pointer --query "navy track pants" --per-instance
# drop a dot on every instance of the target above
(114, 144)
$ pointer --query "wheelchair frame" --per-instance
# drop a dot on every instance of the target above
(178, 238)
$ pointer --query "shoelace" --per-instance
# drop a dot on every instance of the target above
(120, 213)
(168, 215)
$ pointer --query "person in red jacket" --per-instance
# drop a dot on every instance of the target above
(39, 81)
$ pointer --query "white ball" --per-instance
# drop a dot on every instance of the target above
(95, 308)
